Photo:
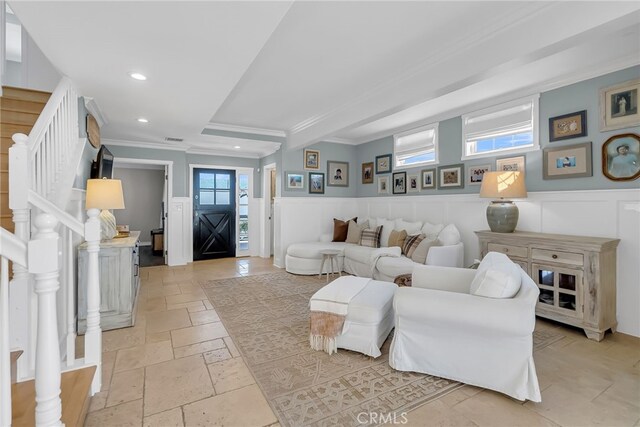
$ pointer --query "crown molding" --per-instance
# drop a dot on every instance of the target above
(92, 106)
(223, 153)
(141, 144)
(344, 141)
(245, 129)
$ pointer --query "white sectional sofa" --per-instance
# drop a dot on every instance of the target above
(382, 263)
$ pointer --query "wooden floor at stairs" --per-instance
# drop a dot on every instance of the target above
(19, 110)
(75, 399)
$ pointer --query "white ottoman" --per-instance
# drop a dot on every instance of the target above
(369, 318)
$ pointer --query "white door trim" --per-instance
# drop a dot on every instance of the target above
(265, 248)
(171, 236)
(253, 211)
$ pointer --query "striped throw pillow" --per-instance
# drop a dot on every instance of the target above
(371, 237)
(411, 243)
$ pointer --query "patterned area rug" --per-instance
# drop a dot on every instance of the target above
(268, 318)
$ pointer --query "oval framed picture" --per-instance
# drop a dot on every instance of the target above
(620, 155)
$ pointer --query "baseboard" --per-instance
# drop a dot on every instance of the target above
(144, 244)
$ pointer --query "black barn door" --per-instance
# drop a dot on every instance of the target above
(214, 213)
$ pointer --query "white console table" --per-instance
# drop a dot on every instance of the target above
(119, 280)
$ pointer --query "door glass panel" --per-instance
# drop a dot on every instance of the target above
(567, 301)
(545, 277)
(206, 197)
(207, 180)
(222, 197)
(567, 281)
(243, 182)
(546, 296)
(223, 181)
(244, 211)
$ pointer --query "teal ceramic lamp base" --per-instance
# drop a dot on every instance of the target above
(502, 216)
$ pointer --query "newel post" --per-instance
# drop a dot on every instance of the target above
(23, 300)
(43, 263)
(93, 335)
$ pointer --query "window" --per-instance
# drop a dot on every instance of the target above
(243, 211)
(416, 147)
(506, 128)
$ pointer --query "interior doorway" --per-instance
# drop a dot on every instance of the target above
(269, 193)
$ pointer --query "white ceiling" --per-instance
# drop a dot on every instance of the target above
(311, 71)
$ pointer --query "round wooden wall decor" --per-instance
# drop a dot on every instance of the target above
(93, 131)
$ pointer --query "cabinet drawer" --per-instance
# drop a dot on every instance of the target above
(571, 258)
(517, 251)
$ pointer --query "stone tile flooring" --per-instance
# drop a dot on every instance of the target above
(178, 367)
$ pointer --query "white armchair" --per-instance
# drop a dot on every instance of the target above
(444, 330)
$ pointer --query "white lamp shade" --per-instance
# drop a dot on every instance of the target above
(104, 194)
(503, 184)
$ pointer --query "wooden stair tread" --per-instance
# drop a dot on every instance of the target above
(75, 388)
(11, 92)
(21, 106)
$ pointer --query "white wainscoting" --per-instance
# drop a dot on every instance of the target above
(599, 213)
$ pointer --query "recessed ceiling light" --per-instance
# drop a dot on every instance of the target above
(237, 147)
(138, 76)
(143, 120)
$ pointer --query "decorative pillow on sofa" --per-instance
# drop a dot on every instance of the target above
(387, 228)
(355, 231)
(420, 253)
(396, 238)
(341, 228)
(497, 277)
(412, 228)
(371, 237)
(411, 243)
(432, 230)
(449, 235)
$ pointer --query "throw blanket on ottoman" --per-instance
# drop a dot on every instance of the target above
(329, 308)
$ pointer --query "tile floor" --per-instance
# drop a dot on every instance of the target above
(178, 367)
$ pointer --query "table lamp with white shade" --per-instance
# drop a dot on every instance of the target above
(502, 214)
(105, 194)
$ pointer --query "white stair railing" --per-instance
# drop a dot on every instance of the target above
(42, 168)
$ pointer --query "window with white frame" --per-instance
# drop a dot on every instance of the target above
(511, 128)
(416, 147)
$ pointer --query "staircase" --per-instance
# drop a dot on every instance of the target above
(41, 381)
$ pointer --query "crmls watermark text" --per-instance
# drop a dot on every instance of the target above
(382, 418)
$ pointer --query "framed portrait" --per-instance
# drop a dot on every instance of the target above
(476, 173)
(383, 184)
(367, 173)
(569, 161)
(413, 183)
(399, 183)
(568, 126)
(620, 156)
(311, 159)
(338, 174)
(295, 181)
(619, 105)
(383, 164)
(428, 178)
(316, 183)
(511, 164)
(451, 176)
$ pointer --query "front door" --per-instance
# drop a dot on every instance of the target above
(214, 213)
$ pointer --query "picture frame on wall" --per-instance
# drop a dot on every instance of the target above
(511, 164)
(451, 176)
(383, 164)
(621, 156)
(428, 179)
(311, 159)
(338, 174)
(567, 126)
(399, 183)
(383, 184)
(569, 161)
(413, 183)
(619, 105)
(316, 183)
(295, 181)
(367, 173)
(476, 173)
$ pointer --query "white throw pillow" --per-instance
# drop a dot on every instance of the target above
(387, 228)
(412, 228)
(372, 222)
(432, 230)
(449, 236)
(502, 282)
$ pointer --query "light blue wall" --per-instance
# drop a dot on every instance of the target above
(568, 99)
(293, 161)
